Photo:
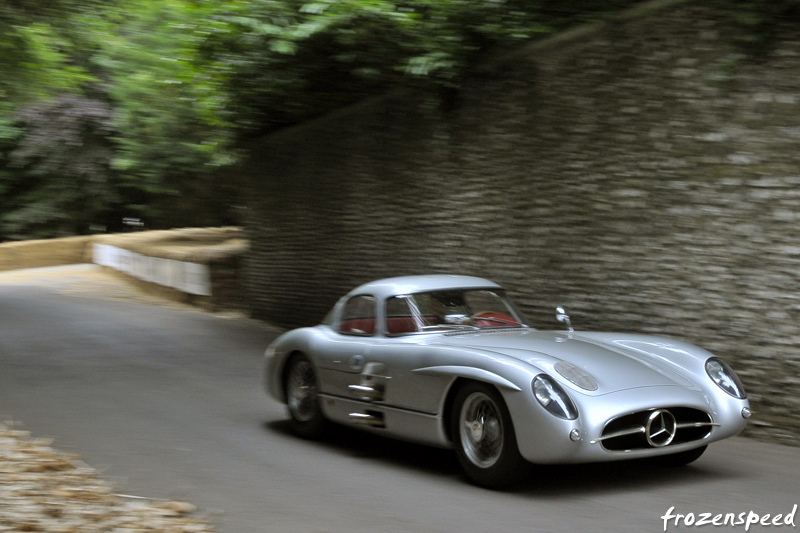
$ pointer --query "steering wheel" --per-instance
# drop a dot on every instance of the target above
(490, 318)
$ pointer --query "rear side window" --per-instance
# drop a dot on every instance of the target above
(358, 316)
(400, 318)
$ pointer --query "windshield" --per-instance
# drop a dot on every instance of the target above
(450, 309)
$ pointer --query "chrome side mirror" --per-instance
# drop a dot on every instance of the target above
(562, 316)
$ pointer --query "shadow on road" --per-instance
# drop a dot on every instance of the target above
(545, 481)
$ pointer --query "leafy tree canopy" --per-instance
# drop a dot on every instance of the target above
(285, 60)
(162, 91)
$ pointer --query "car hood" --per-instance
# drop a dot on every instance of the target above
(613, 361)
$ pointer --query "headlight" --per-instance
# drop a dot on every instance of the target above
(553, 398)
(721, 374)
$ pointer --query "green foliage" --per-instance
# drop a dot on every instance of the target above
(755, 21)
(165, 90)
(165, 130)
(285, 61)
(9, 136)
(182, 81)
(36, 60)
(40, 62)
(169, 106)
(58, 175)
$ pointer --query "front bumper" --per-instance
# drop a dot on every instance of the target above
(547, 440)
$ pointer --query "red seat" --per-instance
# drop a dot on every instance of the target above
(400, 324)
(358, 326)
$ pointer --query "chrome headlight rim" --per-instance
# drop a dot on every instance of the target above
(269, 353)
(553, 397)
(725, 378)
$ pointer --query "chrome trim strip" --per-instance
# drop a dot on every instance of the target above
(696, 424)
(367, 419)
(622, 433)
(364, 392)
(377, 407)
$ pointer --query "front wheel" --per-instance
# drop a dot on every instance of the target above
(302, 397)
(483, 435)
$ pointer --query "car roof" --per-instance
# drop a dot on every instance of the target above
(385, 288)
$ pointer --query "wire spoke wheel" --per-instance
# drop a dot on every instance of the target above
(481, 430)
(302, 397)
(484, 438)
(301, 392)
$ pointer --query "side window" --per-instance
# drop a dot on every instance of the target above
(399, 317)
(358, 316)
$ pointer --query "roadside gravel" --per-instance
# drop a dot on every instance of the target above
(42, 489)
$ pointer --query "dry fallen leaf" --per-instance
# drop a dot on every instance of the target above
(42, 489)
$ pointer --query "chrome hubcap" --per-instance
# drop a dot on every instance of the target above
(301, 391)
(481, 430)
(476, 430)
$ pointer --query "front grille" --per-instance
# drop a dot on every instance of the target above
(630, 432)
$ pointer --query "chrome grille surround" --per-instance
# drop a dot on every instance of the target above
(655, 428)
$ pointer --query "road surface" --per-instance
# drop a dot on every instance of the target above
(168, 402)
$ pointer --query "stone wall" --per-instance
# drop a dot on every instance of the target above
(642, 172)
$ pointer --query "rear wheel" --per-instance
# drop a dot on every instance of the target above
(483, 435)
(302, 397)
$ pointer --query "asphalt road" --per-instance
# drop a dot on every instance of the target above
(168, 403)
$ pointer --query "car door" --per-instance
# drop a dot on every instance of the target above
(390, 369)
(348, 345)
(388, 376)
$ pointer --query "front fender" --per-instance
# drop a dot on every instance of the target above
(477, 374)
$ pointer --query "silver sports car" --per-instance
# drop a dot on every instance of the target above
(450, 361)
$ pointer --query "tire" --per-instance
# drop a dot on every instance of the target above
(681, 458)
(302, 398)
(484, 440)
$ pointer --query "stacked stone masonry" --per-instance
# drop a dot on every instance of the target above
(645, 175)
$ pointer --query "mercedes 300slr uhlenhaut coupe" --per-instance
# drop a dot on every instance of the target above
(450, 361)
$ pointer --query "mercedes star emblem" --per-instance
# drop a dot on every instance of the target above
(660, 429)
